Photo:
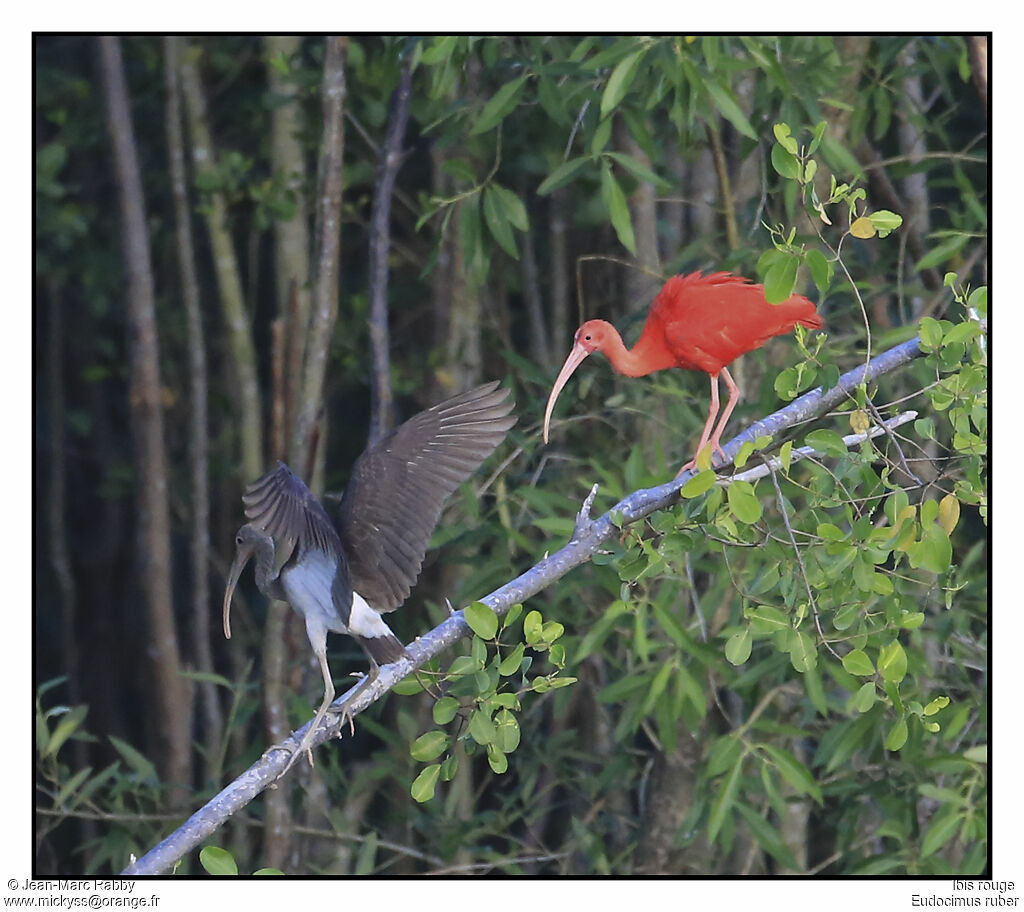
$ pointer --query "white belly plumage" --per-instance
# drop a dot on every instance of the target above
(308, 587)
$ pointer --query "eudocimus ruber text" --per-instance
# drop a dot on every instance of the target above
(696, 322)
(342, 572)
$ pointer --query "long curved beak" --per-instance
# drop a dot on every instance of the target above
(576, 357)
(242, 556)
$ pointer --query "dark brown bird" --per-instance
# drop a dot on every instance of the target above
(342, 572)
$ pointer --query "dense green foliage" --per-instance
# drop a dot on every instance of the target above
(786, 674)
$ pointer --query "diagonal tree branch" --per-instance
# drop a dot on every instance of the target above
(587, 538)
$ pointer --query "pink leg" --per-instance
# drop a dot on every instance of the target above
(712, 413)
(734, 394)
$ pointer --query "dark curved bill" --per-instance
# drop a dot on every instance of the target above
(242, 556)
(576, 357)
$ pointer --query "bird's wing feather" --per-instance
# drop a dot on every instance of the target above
(399, 485)
(283, 507)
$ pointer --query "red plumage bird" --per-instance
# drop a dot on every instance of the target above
(696, 322)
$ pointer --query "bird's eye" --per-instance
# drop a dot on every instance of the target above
(238, 539)
(587, 337)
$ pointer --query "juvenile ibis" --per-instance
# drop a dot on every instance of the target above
(341, 572)
(696, 322)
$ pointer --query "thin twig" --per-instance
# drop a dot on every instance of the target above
(800, 560)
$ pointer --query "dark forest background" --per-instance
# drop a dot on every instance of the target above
(253, 248)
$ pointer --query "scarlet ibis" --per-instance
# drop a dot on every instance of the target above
(341, 572)
(696, 322)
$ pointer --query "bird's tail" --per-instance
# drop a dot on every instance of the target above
(382, 649)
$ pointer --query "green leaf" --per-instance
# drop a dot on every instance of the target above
(785, 163)
(639, 170)
(912, 620)
(892, 662)
(507, 733)
(482, 620)
(533, 627)
(885, 221)
(481, 728)
(619, 82)
(940, 832)
(463, 665)
(821, 269)
(794, 772)
(429, 745)
(701, 482)
(599, 140)
(512, 615)
(819, 132)
(71, 786)
(723, 754)
(743, 502)
(939, 703)
(724, 799)
(515, 210)
(510, 664)
(780, 279)
(135, 760)
(502, 102)
(738, 647)
(422, 788)
(731, 111)
(933, 552)
(897, 736)
(218, 861)
(802, 654)
(825, 441)
(786, 455)
(561, 175)
(942, 253)
(445, 710)
(977, 754)
(865, 698)
(498, 224)
(768, 835)
(618, 210)
(366, 861)
(66, 727)
(857, 663)
(784, 138)
(496, 759)
(931, 333)
(766, 620)
(440, 49)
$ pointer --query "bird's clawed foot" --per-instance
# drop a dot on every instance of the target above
(716, 449)
(294, 752)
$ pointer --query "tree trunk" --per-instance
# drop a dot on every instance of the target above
(328, 246)
(172, 702)
(225, 262)
(291, 236)
(561, 333)
(382, 408)
(642, 284)
(199, 440)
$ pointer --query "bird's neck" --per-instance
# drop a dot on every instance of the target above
(647, 356)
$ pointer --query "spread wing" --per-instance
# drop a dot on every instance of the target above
(281, 505)
(398, 487)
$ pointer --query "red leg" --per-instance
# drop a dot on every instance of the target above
(712, 413)
(734, 395)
